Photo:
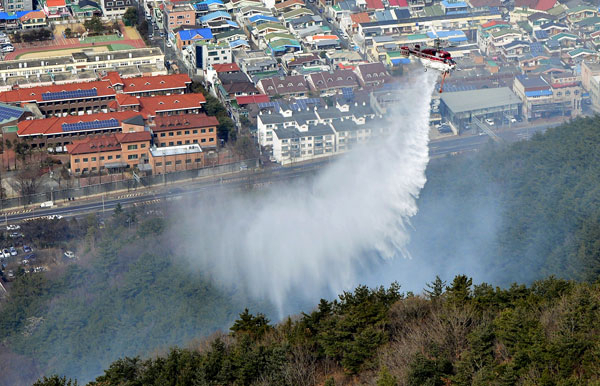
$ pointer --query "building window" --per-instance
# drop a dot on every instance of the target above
(168, 163)
(203, 131)
(110, 157)
(159, 164)
(179, 133)
(171, 134)
(143, 145)
(85, 160)
(162, 134)
(77, 170)
(211, 140)
(211, 130)
(178, 162)
(197, 160)
(203, 140)
(101, 158)
(187, 132)
(171, 143)
(132, 156)
(195, 131)
(76, 160)
(118, 156)
(132, 147)
(179, 143)
(188, 161)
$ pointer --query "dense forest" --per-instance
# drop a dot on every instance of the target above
(518, 212)
(459, 334)
(522, 213)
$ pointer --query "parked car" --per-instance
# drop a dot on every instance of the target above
(13, 227)
(27, 249)
(30, 256)
(13, 251)
(489, 121)
(15, 235)
(47, 204)
(6, 252)
(7, 48)
(169, 44)
(69, 255)
(10, 274)
(55, 217)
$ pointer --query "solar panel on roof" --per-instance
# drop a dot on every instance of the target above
(267, 105)
(50, 96)
(103, 124)
(202, 7)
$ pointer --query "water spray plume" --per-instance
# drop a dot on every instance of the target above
(310, 240)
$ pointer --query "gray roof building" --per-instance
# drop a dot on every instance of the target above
(464, 101)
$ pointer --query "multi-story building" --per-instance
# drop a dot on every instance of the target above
(176, 158)
(184, 130)
(210, 54)
(81, 61)
(61, 131)
(17, 5)
(150, 85)
(590, 79)
(115, 8)
(548, 97)
(65, 99)
(110, 151)
(179, 15)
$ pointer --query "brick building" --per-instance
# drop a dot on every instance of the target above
(184, 130)
(176, 158)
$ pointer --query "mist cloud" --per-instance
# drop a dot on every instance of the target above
(315, 237)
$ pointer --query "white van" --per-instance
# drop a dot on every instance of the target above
(47, 204)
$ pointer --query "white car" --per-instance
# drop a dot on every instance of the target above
(489, 121)
(13, 251)
(7, 48)
(55, 217)
(6, 253)
(169, 44)
(69, 255)
(13, 227)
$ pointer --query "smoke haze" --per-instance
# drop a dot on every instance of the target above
(316, 237)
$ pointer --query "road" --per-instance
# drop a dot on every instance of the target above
(438, 148)
(170, 192)
(334, 29)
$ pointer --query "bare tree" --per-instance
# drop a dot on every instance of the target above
(28, 179)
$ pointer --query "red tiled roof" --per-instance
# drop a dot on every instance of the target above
(544, 5)
(114, 78)
(175, 122)
(34, 94)
(136, 136)
(127, 100)
(56, 3)
(399, 3)
(89, 145)
(156, 83)
(247, 99)
(492, 23)
(375, 4)
(33, 15)
(226, 67)
(150, 105)
(53, 125)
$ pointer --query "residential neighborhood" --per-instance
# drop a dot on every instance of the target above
(107, 87)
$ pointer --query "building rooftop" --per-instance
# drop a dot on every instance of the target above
(175, 150)
(462, 101)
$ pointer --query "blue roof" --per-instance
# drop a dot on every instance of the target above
(446, 34)
(536, 49)
(458, 4)
(232, 23)
(209, 2)
(10, 113)
(238, 43)
(201, 7)
(215, 15)
(256, 18)
(458, 87)
(541, 34)
(538, 93)
(195, 34)
(8, 16)
(397, 61)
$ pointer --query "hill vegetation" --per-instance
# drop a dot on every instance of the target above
(526, 213)
(459, 334)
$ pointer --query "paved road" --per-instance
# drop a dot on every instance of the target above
(438, 148)
(170, 192)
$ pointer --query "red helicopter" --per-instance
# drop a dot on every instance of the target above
(433, 58)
